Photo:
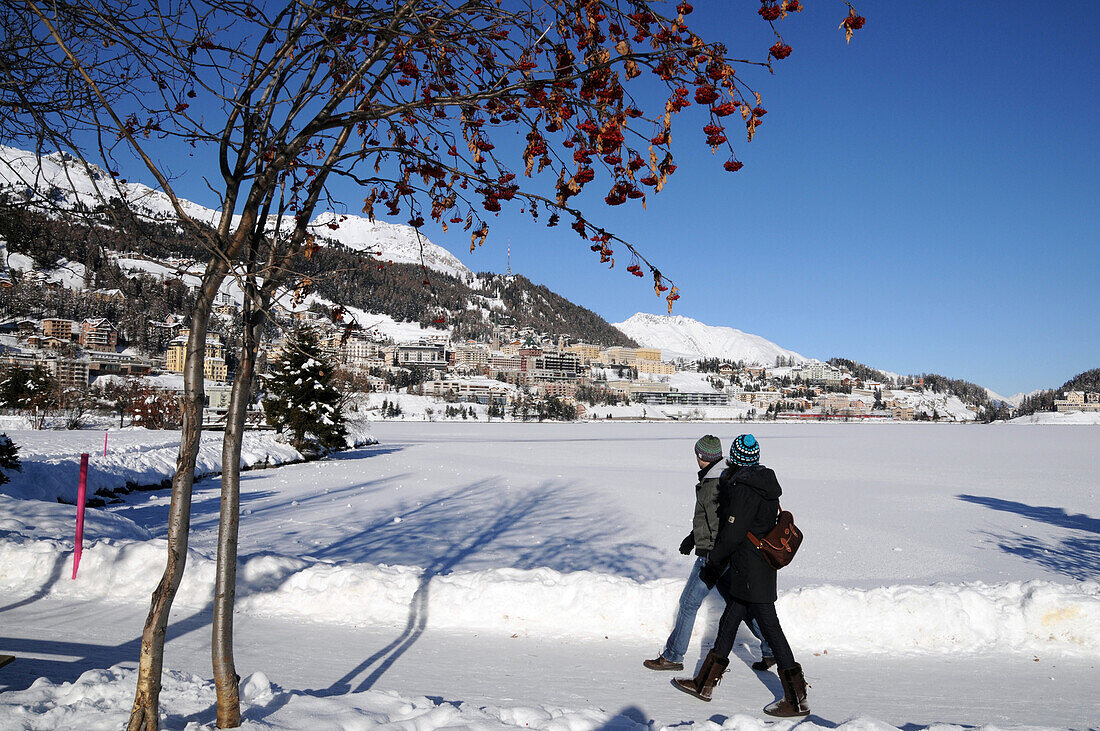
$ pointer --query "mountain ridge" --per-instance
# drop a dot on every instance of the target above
(679, 336)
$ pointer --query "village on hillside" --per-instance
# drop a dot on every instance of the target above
(519, 373)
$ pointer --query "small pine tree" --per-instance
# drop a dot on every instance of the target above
(9, 458)
(302, 399)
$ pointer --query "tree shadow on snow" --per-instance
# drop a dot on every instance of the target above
(80, 656)
(1053, 516)
(44, 590)
(485, 524)
(530, 528)
(1075, 556)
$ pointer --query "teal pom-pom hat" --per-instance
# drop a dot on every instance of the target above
(745, 451)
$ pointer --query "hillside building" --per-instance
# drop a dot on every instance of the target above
(1078, 401)
(54, 327)
(214, 367)
(98, 334)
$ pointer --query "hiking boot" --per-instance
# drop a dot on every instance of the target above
(763, 664)
(662, 664)
(793, 702)
(709, 675)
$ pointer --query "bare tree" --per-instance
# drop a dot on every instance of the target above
(417, 102)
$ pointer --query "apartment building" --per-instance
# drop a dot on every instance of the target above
(586, 352)
(475, 354)
(618, 355)
(655, 367)
(214, 367)
(54, 327)
(682, 398)
(98, 334)
(480, 390)
(1078, 401)
(422, 355)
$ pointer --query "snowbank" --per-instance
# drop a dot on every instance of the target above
(1029, 616)
(39, 519)
(100, 700)
(1059, 417)
(50, 460)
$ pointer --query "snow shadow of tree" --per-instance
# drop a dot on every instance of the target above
(486, 524)
(81, 657)
(449, 529)
(1076, 556)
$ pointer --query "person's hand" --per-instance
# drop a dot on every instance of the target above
(687, 544)
(709, 574)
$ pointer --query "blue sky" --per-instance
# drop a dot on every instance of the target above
(921, 200)
(924, 199)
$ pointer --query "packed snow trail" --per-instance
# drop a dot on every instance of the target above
(336, 676)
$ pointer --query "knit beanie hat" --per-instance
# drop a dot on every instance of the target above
(744, 451)
(709, 448)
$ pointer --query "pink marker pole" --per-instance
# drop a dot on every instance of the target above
(81, 492)
(105, 443)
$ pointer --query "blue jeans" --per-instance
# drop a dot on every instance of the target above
(695, 591)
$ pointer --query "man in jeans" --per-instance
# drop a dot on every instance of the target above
(708, 454)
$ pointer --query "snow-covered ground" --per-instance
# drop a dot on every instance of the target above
(1059, 417)
(502, 575)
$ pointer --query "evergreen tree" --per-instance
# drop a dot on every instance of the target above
(302, 399)
(31, 390)
(9, 458)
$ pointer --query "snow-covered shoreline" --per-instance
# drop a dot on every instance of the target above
(50, 460)
(1032, 616)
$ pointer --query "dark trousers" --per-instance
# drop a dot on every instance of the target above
(738, 611)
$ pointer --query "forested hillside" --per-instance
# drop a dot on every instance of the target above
(335, 273)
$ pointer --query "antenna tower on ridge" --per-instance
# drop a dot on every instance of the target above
(509, 274)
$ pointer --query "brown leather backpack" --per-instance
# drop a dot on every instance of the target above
(779, 545)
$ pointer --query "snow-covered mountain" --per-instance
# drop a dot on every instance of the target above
(682, 337)
(1014, 400)
(389, 241)
(59, 180)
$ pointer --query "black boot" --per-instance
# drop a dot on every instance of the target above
(793, 702)
(763, 664)
(709, 675)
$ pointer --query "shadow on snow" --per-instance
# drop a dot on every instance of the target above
(1076, 556)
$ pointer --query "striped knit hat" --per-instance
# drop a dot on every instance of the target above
(744, 451)
(709, 448)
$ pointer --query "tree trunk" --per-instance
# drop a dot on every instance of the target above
(225, 583)
(145, 715)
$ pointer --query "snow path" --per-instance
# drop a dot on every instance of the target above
(307, 660)
(949, 576)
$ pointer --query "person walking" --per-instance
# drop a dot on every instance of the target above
(748, 500)
(708, 455)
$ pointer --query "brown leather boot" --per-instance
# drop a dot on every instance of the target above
(709, 675)
(660, 663)
(793, 702)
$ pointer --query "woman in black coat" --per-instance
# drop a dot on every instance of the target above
(748, 500)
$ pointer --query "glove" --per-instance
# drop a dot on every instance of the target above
(709, 574)
(687, 544)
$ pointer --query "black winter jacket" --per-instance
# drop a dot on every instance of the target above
(748, 500)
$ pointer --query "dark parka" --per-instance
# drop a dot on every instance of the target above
(748, 500)
(704, 524)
